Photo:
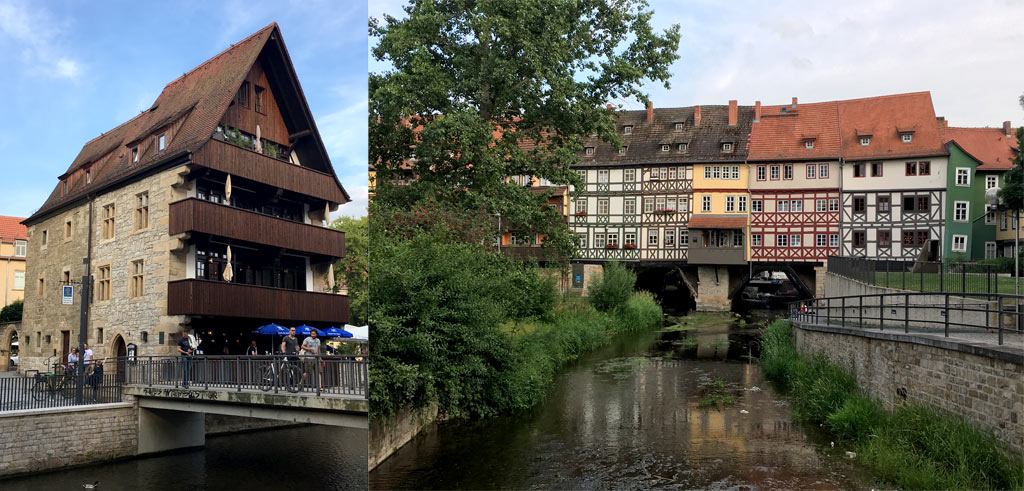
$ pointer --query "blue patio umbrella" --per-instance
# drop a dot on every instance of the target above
(271, 330)
(304, 330)
(337, 332)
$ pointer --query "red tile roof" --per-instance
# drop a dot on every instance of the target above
(883, 118)
(990, 146)
(716, 222)
(782, 132)
(11, 229)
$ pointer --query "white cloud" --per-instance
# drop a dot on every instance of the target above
(360, 200)
(36, 35)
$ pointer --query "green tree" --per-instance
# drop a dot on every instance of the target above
(481, 90)
(353, 270)
(612, 288)
(1012, 193)
(12, 312)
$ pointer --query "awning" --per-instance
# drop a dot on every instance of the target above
(717, 222)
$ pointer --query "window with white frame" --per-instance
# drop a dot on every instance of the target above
(20, 248)
(684, 237)
(823, 171)
(833, 240)
(865, 141)
(716, 171)
(629, 239)
(774, 172)
(705, 203)
(723, 238)
(670, 204)
(782, 206)
(629, 175)
(648, 205)
(602, 175)
(811, 168)
(796, 206)
(755, 240)
(734, 172)
(833, 204)
(659, 203)
(737, 238)
(907, 137)
(581, 206)
(730, 204)
(820, 240)
(665, 147)
(756, 205)
(961, 210)
(589, 150)
(582, 240)
(809, 144)
(663, 172)
(583, 175)
(681, 147)
(613, 240)
(670, 237)
(990, 250)
(726, 147)
(679, 126)
(652, 237)
(781, 240)
(742, 204)
(963, 176)
(622, 150)
(671, 172)
(684, 204)
(599, 241)
(762, 173)
(990, 216)
(602, 206)
(707, 172)
(959, 243)
(794, 240)
(629, 206)
(991, 182)
(787, 172)
(627, 130)
(820, 205)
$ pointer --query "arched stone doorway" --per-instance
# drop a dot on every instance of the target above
(9, 346)
(119, 349)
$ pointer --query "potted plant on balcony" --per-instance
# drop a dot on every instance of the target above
(581, 213)
(611, 246)
(665, 210)
(629, 246)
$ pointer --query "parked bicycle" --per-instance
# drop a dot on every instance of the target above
(52, 384)
(280, 373)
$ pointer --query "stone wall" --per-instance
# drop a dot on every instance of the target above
(43, 439)
(985, 386)
(387, 436)
(7, 331)
(713, 287)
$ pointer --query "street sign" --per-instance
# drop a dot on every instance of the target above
(69, 292)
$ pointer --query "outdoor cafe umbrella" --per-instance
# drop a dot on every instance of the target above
(271, 330)
(304, 330)
(337, 332)
(228, 272)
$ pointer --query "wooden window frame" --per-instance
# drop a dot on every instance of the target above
(787, 170)
(138, 281)
(762, 173)
(104, 291)
(864, 205)
(107, 226)
(810, 171)
(879, 167)
(141, 211)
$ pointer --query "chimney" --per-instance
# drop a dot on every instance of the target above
(1007, 129)
(794, 103)
(757, 111)
(696, 115)
(650, 112)
(733, 113)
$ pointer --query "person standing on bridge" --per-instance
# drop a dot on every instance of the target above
(290, 346)
(87, 355)
(251, 350)
(72, 360)
(185, 348)
(96, 377)
(311, 349)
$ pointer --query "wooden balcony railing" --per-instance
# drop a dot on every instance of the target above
(220, 298)
(196, 215)
(245, 163)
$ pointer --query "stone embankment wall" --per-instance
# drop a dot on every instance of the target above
(389, 435)
(985, 386)
(41, 439)
(219, 424)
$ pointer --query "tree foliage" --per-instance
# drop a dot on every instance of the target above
(12, 312)
(612, 287)
(1012, 193)
(481, 90)
(354, 269)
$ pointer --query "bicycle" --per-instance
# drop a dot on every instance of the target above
(281, 373)
(50, 384)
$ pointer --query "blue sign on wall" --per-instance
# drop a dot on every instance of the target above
(69, 295)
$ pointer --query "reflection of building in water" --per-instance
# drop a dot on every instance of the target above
(713, 346)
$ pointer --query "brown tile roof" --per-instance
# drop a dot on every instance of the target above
(703, 142)
(990, 146)
(707, 221)
(11, 229)
(782, 132)
(883, 118)
(197, 100)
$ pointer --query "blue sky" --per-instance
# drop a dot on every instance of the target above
(967, 53)
(73, 70)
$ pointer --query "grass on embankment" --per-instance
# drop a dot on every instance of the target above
(912, 447)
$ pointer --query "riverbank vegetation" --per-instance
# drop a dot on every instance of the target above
(913, 447)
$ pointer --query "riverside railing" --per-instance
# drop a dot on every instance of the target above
(923, 276)
(57, 388)
(972, 316)
(320, 375)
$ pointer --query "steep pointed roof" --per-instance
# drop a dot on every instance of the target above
(197, 101)
(884, 118)
(990, 146)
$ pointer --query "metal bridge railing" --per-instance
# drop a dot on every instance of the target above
(58, 388)
(923, 276)
(973, 316)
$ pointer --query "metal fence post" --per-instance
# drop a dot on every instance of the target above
(1000, 315)
(828, 310)
(842, 320)
(946, 321)
(963, 278)
(988, 278)
(906, 313)
(881, 312)
(860, 311)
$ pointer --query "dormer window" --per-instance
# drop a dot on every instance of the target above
(907, 137)
(727, 147)
(679, 126)
(65, 188)
(589, 150)
(622, 150)
(865, 141)
(681, 147)
(135, 155)
(665, 147)
(88, 176)
(627, 130)
(161, 142)
(809, 144)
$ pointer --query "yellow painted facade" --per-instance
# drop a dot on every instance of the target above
(722, 190)
(12, 272)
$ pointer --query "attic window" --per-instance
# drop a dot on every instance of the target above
(665, 147)
(622, 150)
(681, 147)
(726, 147)
(589, 150)
(88, 176)
(627, 130)
(135, 155)
(243, 95)
(865, 141)
(258, 100)
(907, 137)
(809, 144)
(679, 126)
(162, 142)
(65, 189)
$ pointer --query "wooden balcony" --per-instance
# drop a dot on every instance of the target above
(245, 163)
(716, 255)
(196, 215)
(220, 298)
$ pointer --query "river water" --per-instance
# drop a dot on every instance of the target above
(630, 416)
(307, 457)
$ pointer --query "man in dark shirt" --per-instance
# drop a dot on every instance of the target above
(252, 351)
(96, 377)
(185, 348)
(290, 345)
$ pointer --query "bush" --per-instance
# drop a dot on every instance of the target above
(639, 312)
(612, 288)
(12, 312)
(858, 417)
(778, 354)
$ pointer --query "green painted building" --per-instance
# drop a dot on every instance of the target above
(967, 229)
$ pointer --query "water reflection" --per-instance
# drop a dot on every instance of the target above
(613, 421)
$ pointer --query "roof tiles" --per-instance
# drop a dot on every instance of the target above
(11, 229)
(990, 146)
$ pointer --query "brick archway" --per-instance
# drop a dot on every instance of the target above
(7, 336)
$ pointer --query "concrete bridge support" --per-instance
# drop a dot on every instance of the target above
(161, 430)
(714, 283)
